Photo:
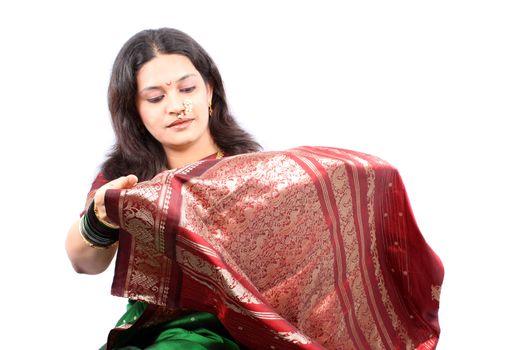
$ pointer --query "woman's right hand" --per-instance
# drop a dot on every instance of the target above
(121, 183)
(83, 257)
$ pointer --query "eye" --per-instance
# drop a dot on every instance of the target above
(188, 89)
(155, 99)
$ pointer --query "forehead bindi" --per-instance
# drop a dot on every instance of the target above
(165, 70)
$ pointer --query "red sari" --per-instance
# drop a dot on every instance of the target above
(309, 248)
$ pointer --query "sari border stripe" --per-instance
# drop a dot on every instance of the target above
(325, 195)
(362, 194)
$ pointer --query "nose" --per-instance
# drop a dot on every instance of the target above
(174, 105)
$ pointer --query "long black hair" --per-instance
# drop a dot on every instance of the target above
(136, 151)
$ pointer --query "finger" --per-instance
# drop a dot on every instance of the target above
(123, 182)
(132, 180)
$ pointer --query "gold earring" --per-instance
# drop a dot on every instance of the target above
(210, 109)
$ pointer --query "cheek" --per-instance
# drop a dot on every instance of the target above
(147, 114)
(151, 125)
(201, 107)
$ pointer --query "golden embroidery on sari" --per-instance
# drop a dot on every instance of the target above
(232, 197)
(345, 301)
(143, 212)
(394, 318)
(371, 333)
(363, 313)
(304, 245)
(240, 299)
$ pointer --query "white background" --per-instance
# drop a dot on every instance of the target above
(437, 89)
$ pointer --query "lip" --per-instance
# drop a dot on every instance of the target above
(180, 123)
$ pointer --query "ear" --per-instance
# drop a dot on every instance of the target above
(209, 93)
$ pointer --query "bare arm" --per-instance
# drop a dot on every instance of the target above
(83, 257)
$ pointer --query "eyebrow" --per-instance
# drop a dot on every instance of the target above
(177, 81)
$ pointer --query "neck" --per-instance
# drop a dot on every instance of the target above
(183, 156)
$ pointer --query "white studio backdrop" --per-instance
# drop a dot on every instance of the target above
(437, 89)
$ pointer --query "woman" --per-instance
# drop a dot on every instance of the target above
(168, 109)
(309, 248)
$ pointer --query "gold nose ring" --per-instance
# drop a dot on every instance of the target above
(188, 106)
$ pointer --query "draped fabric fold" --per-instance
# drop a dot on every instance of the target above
(308, 248)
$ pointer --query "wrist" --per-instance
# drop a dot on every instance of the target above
(96, 233)
(102, 221)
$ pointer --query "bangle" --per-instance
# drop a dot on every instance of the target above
(94, 232)
(87, 241)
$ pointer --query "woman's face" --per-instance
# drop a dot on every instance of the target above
(172, 100)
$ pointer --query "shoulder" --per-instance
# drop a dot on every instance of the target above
(99, 181)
